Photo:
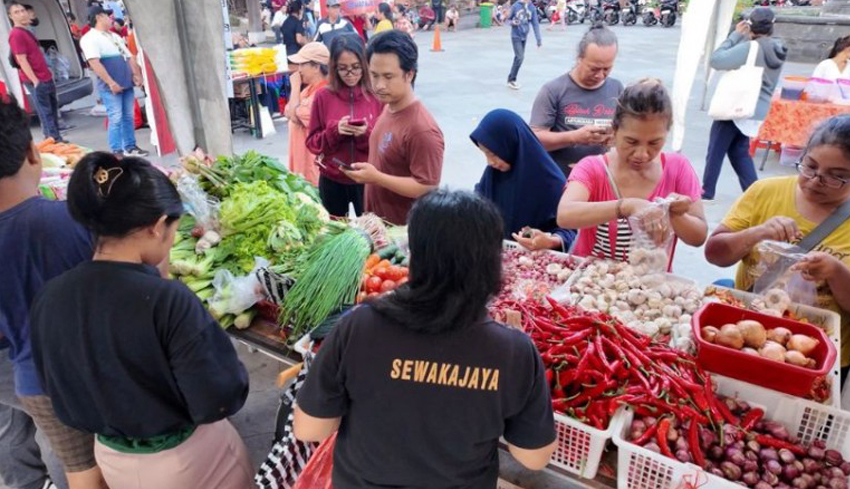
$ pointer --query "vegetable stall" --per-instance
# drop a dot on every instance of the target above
(693, 387)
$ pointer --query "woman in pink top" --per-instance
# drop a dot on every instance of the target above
(604, 191)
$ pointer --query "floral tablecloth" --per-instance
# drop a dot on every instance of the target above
(792, 121)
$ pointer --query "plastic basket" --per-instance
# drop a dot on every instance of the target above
(783, 377)
(639, 468)
(580, 447)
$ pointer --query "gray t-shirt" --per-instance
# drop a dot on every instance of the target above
(563, 106)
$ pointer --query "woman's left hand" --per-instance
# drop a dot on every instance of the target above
(538, 240)
(680, 204)
(817, 266)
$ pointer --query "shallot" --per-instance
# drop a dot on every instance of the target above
(802, 343)
(794, 357)
(773, 351)
(709, 333)
(753, 332)
(779, 335)
(730, 336)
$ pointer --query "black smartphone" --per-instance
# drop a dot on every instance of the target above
(340, 164)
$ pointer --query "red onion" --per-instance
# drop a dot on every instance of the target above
(750, 466)
(751, 455)
(682, 444)
(771, 478)
(838, 483)
(715, 452)
(773, 467)
(730, 470)
(810, 465)
(834, 472)
(762, 485)
(652, 447)
(717, 472)
(750, 478)
(845, 467)
(790, 472)
(787, 456)
(769, 454)
(672, 435)
(683, 456)
(816, 452)
(833, 457)
(735, 456)
(819, 444)
(799, 483)
(753, 445)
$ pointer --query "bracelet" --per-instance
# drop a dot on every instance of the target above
(619, 209)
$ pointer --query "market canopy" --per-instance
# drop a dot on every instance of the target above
(704, 27)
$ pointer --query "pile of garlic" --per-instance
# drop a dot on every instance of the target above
(650, 303)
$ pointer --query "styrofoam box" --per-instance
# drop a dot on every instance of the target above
(639, 468)
(829, 321)
(580, 446)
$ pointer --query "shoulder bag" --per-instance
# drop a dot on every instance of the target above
(738, 91)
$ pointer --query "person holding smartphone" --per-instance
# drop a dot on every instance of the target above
(342, 119)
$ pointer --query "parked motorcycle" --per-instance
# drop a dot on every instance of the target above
(595, 11)
(649, 14)
(630, 14)
(611, 12)
(576, 11)
(669, 11)
(542, 10)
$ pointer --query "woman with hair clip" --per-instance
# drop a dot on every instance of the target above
(132, 357)
(792, 209)
(604, 191)
(341, 122)
(835, 65)
(420, 384)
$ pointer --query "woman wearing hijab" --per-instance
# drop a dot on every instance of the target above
(522, 180)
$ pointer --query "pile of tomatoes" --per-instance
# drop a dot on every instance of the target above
(380, 276)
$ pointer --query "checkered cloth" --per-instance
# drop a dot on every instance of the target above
(288, 456)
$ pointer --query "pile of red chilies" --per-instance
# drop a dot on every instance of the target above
(594, 364)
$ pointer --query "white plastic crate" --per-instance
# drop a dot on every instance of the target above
(580, 446)
(639, 468)
(829, 321)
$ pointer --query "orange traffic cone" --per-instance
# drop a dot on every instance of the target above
(438, 46)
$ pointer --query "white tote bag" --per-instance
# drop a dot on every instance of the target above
(738, 91)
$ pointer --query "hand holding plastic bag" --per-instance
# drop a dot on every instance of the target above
(317, 474)
(652, 234)
(778, 275)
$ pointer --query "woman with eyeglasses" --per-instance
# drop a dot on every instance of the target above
(341, 121)
(789, 208)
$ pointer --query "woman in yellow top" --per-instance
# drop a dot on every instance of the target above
(787, 209)
(385, 18)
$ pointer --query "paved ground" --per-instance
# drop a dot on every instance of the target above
(459, 86)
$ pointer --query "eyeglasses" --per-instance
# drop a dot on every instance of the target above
(825, 180)
(356, 70)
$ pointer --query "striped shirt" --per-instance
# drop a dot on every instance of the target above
(622, 245)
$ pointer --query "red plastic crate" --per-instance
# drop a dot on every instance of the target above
(781, 377)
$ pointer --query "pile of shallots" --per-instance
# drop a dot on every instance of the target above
(778, 344)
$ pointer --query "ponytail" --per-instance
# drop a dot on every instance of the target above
(113, 197)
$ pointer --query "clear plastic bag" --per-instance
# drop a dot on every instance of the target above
(775, 279)
(200, 205)
(234, 295)
(652, 234)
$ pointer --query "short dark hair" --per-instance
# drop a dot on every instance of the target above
(293, 7)
(349, 43)
(834, 131)
(597, 34)
(398, 43)
(455, 240)
(14, 4)
(28, 6)
(113, 197)
(15, 136)
(386, 11)
(644, 98)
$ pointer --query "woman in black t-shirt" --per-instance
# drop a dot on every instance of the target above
(132, 357)
(420, 383)
(292, 30)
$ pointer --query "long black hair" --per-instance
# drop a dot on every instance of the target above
(455, 263)
(646, 97)
(386, 11)
(349, 43)
(841, 44)
(113, 197)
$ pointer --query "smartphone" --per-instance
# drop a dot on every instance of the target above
(340, 164)
(357, 122)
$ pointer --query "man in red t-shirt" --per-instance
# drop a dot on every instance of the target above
(33, 70)
(406, 146)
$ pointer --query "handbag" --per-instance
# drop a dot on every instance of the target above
(738, 91)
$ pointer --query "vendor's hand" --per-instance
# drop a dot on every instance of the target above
(538, 240)
(817, 266)
(591, 134)
(680, 204)
(362, 173)
(115, 88)
(743, 28)
(780, 228)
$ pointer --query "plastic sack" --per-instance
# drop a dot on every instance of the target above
(58, 65)
(197, 203)
(234, 295)
(317, 474)
(775, 279)
(652, 234)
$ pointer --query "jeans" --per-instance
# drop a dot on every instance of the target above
(336, 197)
(724, 140)
(119, 109)
(21, 466)
(439, 13)
(278, 35)
(47, 108)
(519, 56)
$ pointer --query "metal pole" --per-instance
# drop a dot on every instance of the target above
(189, 70)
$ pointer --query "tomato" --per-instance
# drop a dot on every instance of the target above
(405, 271)
(402, 280)
(382, 272)
(372, 261)
(383, 264)
(388, 285)
(373, 284)
(394, 273)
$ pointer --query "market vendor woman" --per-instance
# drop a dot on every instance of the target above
(132, 357)
(789, 208)
(604, 191)
(420, 383)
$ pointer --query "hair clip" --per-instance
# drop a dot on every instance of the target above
(103, 176)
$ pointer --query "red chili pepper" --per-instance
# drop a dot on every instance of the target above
(566, 377)
(692, 414)
(559, 405)
(600, 352)
(769, 441)
(582, 364)
(576, 337)
(751, 419)
(701, 402)
(548, 326)
(693, 443)
(661, 437)
(647, 435)
(724, 411)
(549, 376)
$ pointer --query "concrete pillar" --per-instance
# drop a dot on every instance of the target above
(256, 34)
(79, 9)
(188, 60)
